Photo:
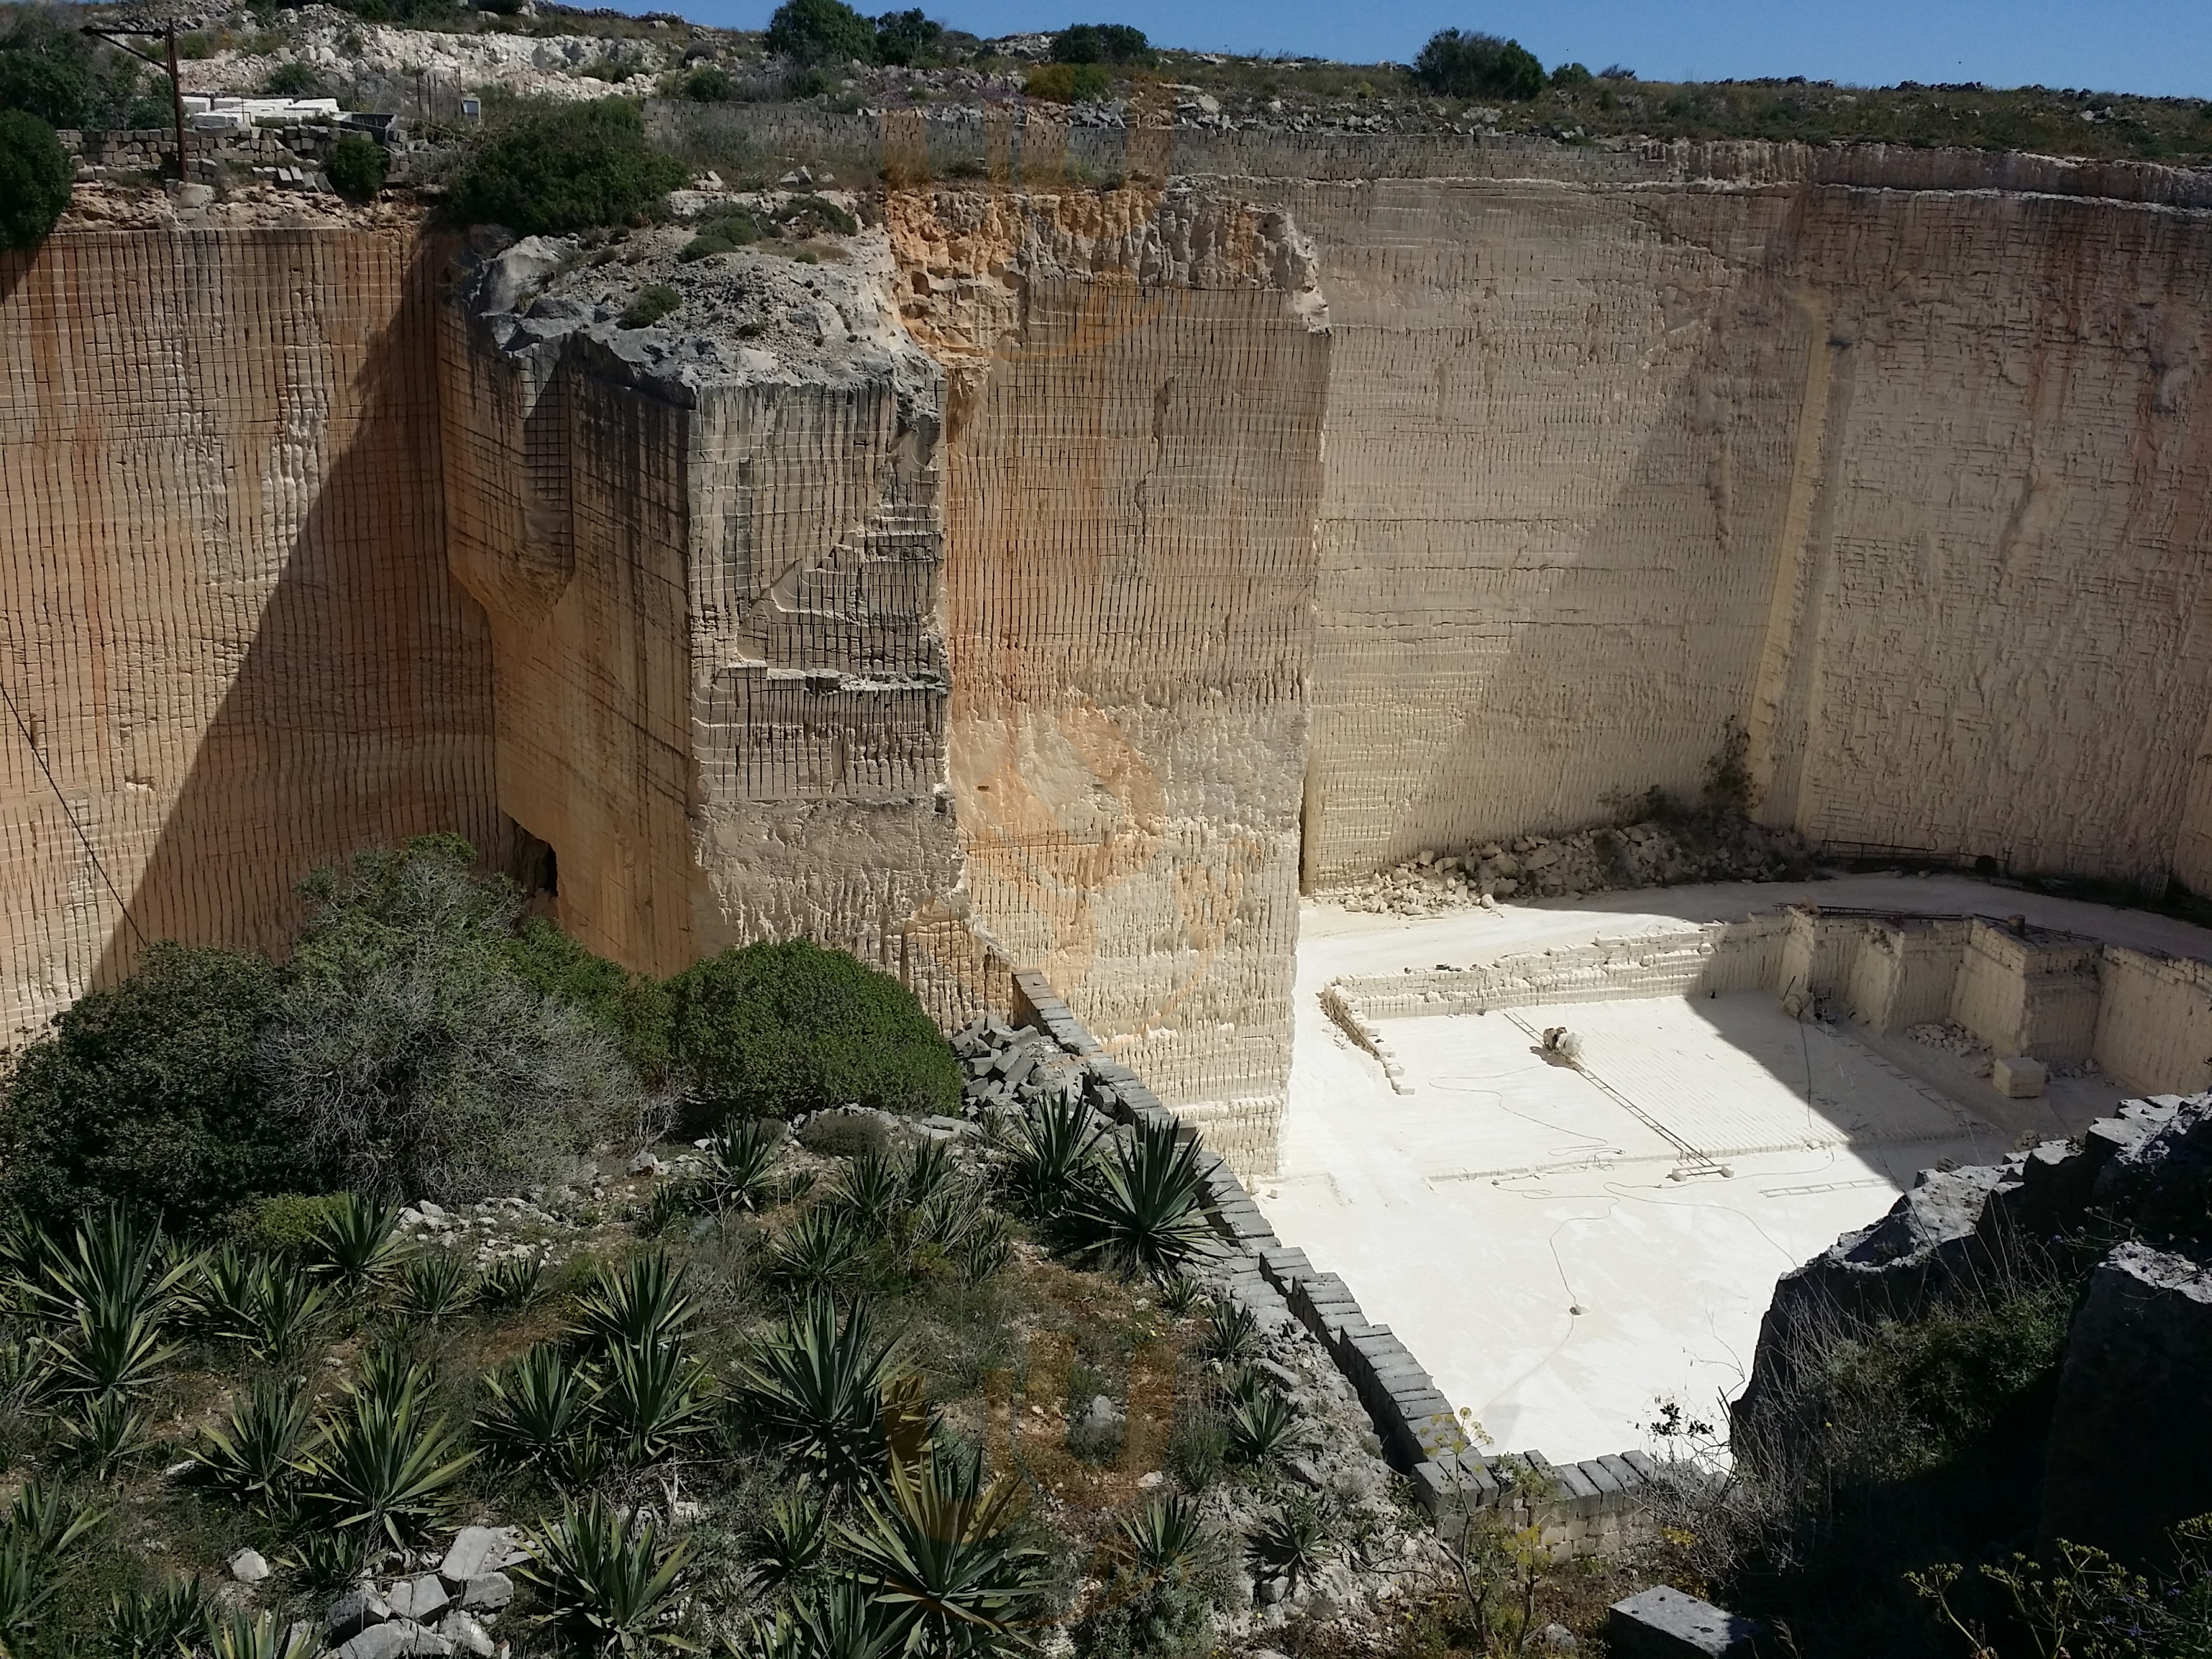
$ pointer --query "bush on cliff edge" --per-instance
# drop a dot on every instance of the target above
(569, 167)
(36, 176)
(777, 1030)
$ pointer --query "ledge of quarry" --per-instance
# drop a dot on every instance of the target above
(749, 317)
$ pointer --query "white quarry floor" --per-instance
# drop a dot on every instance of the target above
(1563, 1250)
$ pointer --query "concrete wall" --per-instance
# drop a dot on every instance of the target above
(225, 618)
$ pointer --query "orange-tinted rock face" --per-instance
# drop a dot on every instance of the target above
(225, 618)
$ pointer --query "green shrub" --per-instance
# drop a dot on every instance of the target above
(775, 1030)
(568, 167)
(285, 1222)
(293, 79)
(1471, 65)
(36, 177)
(843, 1134)
(147, 1093)
(1572, 74)
(1100, 42)
(413, 1058)
(632, 1009)
(356, 167)
(708, 85)
(821, 31)
(1069, 83)
(908, 38)
(651, 305)
(832, 217)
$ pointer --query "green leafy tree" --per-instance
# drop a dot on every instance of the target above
(36, 177)
(633, 1009)
(908, 38)
(147, 1092)
(49, 69)
(356, 167)
(566, 167)
(821, 31)
(708, 85)
(1101, 43)
(293, 79)
(413, 1058)
(1471, 65)
(775, 1030)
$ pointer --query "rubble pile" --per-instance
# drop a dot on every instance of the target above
(1649, 854)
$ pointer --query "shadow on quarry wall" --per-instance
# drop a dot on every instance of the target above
(361, 712)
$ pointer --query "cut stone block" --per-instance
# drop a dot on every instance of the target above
(1662, 1623)
(2018, 1078)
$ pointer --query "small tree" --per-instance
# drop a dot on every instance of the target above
(708, 85)
(1100, 42)
(293, 79)
(356, 167)
(1471, 65)
(821, 31)
(36, 177)
(566, 167)
(907, 38)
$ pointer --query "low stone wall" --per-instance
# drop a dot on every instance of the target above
(2145, 1020)
(1590, 1508)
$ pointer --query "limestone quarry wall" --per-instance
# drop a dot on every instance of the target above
(721, 683)
(1131, 485)
(225, 620)
(1909, 483)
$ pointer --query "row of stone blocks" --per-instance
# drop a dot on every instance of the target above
(1590, 1508)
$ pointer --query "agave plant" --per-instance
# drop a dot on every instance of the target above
(105, 1434)
(1180, 1296)
(113, 1293)
(741, 1164)
(249, 1455)
(654, 1400)
(512, 1286)
(644, 1301)
(432, 1284)
(927, 1172)
(240, 1635)
(1234, 1332)
(1141, 1210)
(260, 1304)
(159, 1623)
(1163, 1540)
(38, 1542)
(792, 1542)
(1261, 1427)
(987, 1248)
(382, 1464)
(357, 1243)
(1293, 1545)
(817, 1252)
(943, 1555)
(670, 1204)
(815, 1390)
(1056, 1144)
(581, 1461)
(25, 1371)
(608, 1587)
(840, 1619)
(536, 1406)
(870, 1193)
(326, 1562)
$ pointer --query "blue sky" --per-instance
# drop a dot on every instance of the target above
(2159, 46)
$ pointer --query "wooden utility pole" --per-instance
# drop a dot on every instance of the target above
(115, 35)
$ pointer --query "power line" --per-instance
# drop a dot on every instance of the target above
(32, 744)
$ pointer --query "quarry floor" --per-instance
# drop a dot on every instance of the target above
(1536, 1234)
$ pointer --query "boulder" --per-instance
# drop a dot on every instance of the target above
(420, 1599)
(2158, 1179)
(476, 1551)
(354, 1611)
(466, 1634)
(384, 1641)
(487, 1592)
(247, 1567)
(2130, 1450)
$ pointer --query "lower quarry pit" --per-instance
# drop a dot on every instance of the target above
(1569, 1247)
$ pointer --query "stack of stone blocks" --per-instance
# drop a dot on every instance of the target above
(1590, 1508)
(289, 157)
